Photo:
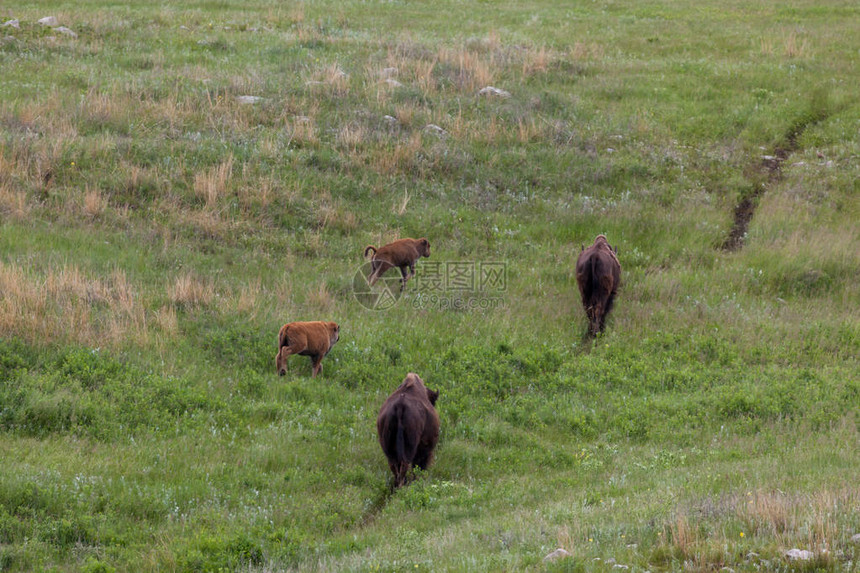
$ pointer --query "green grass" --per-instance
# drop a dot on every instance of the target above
(155, 233)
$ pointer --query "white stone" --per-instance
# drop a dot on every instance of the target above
(556, 555)
(249, 99)
(14, 23)
(66, 31)
(390, 120)
(435, 129)
(801, 554)
(393, 83)
(855, 538)
(49, 21)
(492, 91)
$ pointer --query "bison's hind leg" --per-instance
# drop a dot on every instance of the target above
(378, 270)
(401, 472)
(282, 362)
(423, 458)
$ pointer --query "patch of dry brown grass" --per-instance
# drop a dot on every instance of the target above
(303, 131)
(94, 203)
(212, 183)
(536, 61)
(473, 70)
(189, 291)
(581, 51)
(401, 159)
(810, 519)
(14, 203)
(65, 305)
(795, 46)
(330, 80)
(352, 137)
(320, 298)
(246, 300)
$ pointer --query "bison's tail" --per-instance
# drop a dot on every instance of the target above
(404, 450)
(369, 248)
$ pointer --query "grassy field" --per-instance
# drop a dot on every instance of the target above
(156, 230)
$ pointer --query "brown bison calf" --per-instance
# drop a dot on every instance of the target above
(598, 274)
(402, 253)
(408, 427)
(313, 339)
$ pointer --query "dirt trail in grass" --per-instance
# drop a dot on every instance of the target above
(377, 505)
(764, 175)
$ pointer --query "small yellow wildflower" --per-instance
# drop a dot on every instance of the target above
(742, 533)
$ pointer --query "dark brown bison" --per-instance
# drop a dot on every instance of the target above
(402, 254)
(598, 274)
(313, 339)
(408, 427)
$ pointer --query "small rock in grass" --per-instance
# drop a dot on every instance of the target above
(66, 31)
(393, 83)
(556, 555)
(435, 130)
(49, 21)
(249, 99)
(801, 554)
(491, 91)
(855, 538)
(14, 23)
(390, 120)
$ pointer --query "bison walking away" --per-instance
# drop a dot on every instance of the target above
(402, 254)
(598, 274)
(313, 339)
(408, 427)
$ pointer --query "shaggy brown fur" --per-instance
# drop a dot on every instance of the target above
(408, 428)
(313, 339)
(402, 253)
(598, 274)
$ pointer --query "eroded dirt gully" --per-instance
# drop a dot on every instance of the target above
(763, 175)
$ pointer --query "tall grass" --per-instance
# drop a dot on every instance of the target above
(156, 231)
